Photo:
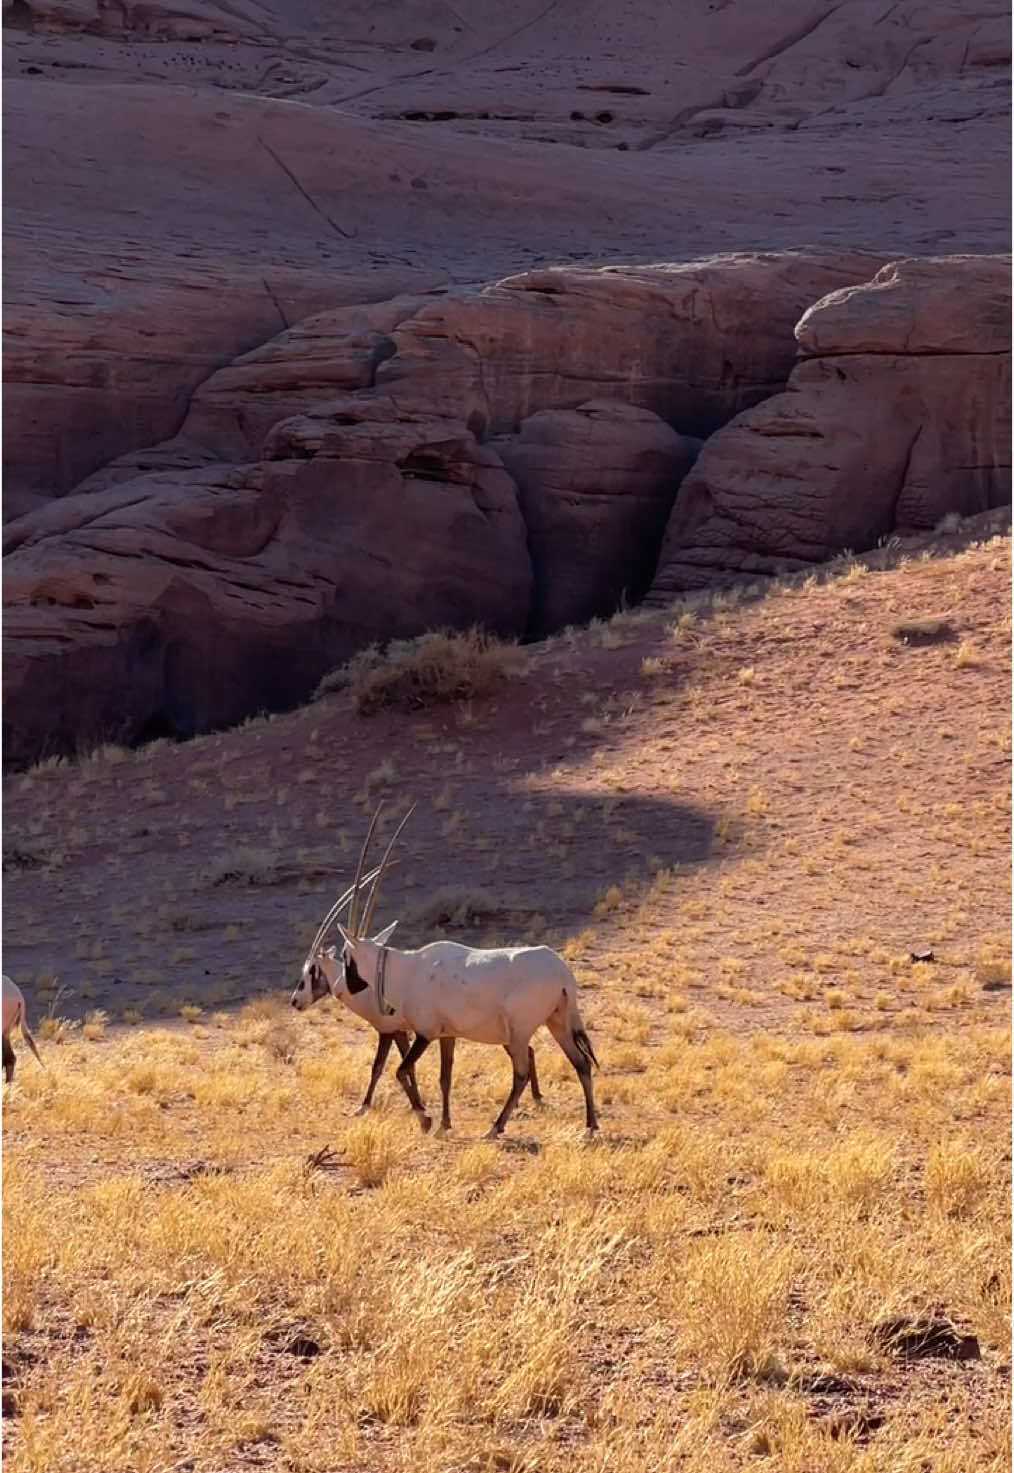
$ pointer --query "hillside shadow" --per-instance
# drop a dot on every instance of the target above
(503, 865)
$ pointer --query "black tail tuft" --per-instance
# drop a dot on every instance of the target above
(583, 1042)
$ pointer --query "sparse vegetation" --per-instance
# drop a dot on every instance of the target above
(436, 667)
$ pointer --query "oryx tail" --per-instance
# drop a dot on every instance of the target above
(26, 1035)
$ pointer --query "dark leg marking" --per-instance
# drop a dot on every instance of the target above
(446, 1070)
(532, 1077)
(8, 1061)
(520, 1080)
(583, 1067)
(406, 1078)
(536, 1092)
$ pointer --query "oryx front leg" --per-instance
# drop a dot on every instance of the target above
(520, 1055)
(384, 1042)
(406, 1078)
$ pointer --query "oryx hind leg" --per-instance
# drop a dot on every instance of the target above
(8, 1060)
(520, 1054)
(446, 1070)
(582, 1067)
(406, 1078)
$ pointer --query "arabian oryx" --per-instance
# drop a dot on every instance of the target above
(448, 991)
(14, 1013)
(323, 975)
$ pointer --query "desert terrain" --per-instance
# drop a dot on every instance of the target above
(672, 345)
(737, 818)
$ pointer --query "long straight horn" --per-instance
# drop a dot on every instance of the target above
(336, 911)
(354, 907)
(384, 865)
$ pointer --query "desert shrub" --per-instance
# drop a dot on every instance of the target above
(923, 631)
(243, 866)
(443, 665)
(456, 906)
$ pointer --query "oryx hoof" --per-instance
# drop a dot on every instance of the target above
(363, 1110)
(425, 1121)
(493, 1134)
(443, 1130)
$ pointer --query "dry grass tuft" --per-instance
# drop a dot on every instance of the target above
(436, 667)
(923, 631)
(244, 865)
(457, 907)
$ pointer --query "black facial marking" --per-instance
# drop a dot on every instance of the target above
(353, 981)
(318, 984)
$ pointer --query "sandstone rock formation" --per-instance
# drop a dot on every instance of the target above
(337, 474)
(596, 484)
(694, 342)
(187, 180)
(183, 601)
(325, 355)
(329, 488)
(902, 417)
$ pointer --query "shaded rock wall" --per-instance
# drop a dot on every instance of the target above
(901, 415)
(596, 485)
(184, 601)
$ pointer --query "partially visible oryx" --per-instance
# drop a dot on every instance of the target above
(447, 991)
(14, 1013)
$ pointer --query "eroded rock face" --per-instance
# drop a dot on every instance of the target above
(183, 601)
(695, 343)
(596, 484)
(903, 417)
(329, 488)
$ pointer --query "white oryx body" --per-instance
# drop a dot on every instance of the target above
(15, 1015)
(447, 991)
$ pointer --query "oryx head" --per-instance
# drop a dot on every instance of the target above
(332, 969)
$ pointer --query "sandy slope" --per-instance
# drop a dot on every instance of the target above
(795, 775)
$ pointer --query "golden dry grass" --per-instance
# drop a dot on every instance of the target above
(689, 1285)
(805, 1131)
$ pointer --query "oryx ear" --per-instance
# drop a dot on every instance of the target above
(332, 952)
(382, 937)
